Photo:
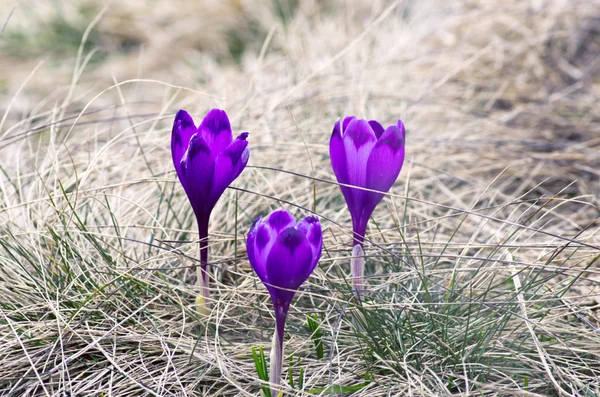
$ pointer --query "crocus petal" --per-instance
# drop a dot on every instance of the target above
(400, 126)
(244, 156)
(347, 121)
(280, 220)
(358, 139)
(197, 167)
(377, 128)
(183, 129)
(258, 245)
(228, 165)
(290, 261)
(385, 160)
(216, 130)
(337, 154)
(339, 162)
(311, 228)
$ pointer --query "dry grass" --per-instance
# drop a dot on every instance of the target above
(483, 259)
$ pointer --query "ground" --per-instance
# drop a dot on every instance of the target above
(482, 261)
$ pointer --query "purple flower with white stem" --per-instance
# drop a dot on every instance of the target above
(207, 159)
(365, 155)
(283, 254)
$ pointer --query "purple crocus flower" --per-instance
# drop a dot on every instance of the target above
(283, 254)
(365, 155)
(207, 159)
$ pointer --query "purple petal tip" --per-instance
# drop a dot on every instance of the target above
(280, 219)
(217, 122)
(184, 118)
(377, 128)
(347, 121)
(337, 132)
(181, 113)
(311, 219)
(401, 127)
(255, 223)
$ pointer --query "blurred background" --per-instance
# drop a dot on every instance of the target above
(181, 42)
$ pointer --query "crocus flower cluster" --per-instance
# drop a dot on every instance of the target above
(366, 160)
(207, 159)
(283, 254)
